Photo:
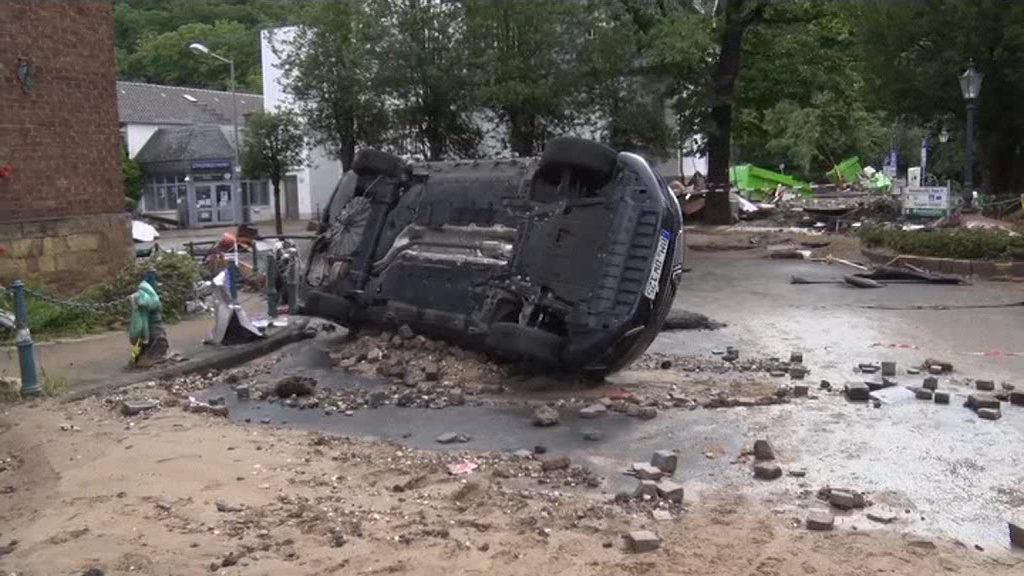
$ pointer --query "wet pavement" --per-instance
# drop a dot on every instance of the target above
(959, 476)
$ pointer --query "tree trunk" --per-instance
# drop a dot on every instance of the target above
(278, 226)
(723, 86)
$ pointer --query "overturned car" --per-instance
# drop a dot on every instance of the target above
(571, 259)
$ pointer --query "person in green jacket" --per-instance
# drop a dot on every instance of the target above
(147, 332)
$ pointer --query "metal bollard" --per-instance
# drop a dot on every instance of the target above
(23, 340)
(293, 292)
(233, 281)
(271, 285)
(255, 258)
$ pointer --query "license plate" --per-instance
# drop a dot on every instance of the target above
(659, 262)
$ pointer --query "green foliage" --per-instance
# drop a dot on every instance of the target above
(977, 243)
(131, 173)
(274, 144)
(177, 274)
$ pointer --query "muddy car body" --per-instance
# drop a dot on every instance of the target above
(571, 259)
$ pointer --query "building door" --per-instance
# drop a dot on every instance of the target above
(225, 205)
(205, 212)
(291, 195)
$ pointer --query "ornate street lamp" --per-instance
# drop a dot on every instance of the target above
(970, 88)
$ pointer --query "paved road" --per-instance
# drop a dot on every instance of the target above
(958, 476)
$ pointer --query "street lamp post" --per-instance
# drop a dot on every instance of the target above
(202, 49)
(970, 87)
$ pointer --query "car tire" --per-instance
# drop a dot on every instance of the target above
(370, 162)
(512, 339)
(593, 161)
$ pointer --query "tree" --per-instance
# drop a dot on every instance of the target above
(131, 173)
(422, 61)
(274, 144)
(334, 79)
(166, 59)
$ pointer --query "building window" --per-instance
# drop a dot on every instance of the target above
(162, 194)
(257, 192)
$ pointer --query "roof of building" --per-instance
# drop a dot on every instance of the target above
(186, 143)
(139, 103)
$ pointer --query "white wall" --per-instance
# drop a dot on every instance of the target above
(137, 135)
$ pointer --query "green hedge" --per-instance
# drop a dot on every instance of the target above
(978, 243)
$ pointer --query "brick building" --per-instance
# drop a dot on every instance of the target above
(62, 219)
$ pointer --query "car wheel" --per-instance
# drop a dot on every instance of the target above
(593, 161)
(370, 162)
(516, 340)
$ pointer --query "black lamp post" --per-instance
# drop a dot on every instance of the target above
(970, 87)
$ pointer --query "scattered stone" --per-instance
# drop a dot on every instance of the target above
(374, 355)
(763, 450)
(593, 411)
(294, 386)
(432, 372)
(979, 401)
(242, 391)
(767, 471)
(796, 358)
(645, 471)
(540, 449)
(452, 438)
(552, 463)
(1008, 387)
(545, 416)
(661, 515)
(989, 413)
(843, 500)
(913, 371)
(731, 354)
(801, 390)
(593, 435)
(1016, 534)
(882, 515)
(337, 538)
(888, 368)
(265, 420)
(225, 506)
(931, 383)
(405, 332)
(942, 365)
(821, 521)
(666, 461)
(935, 369)
(923, 394)
(666, 364)
(648, 488)
(875, 402)
(231, 559)
(457, 397)
(825, 385)
(641, 541)
(647, 413)
(216, 401)
(857, 392)
(985, 385)
(670, 491)
(163, 504)
(523, 453)
(798, 473)
(777, 373)
(136, 407)
(798, 372)
(377, 398)
(867, 368)
(941, 397)
(1017, 398)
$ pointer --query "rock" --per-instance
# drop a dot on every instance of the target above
(941, 397)
(646, 413)
(985, 385)
(798, 372)
(265, 420)
(523, 453)
(457, 397)
(777, 374)
(647, 488)
(216, 401)
(801, 390)
(767, 471)
(913, 371)
(979, 401)
(857, 392)
(942, 365)
(231, 559)
(661, 515)
(798, 472)
(882, 515)
(935, 369)
(842, 500)
(431, 372)
(989, 413)
(641, 541)
(294, 386)
(666, 461)
(405, 332)
(931, 383)
(796, 358)
(825, 385)
(551, 463)
(593, 435)
(888, 368)
(819, 520)
(645, 471)
(1016, 534)
(163, 504)
(763, 450)
(242, 391)
(923, 394)
(867, 368)
(545, 416)
(540, 449)
(374, 355)
(337, 538)
(225, 506)
(1008, 387)
(1017, 398)
(136, 407)
(593, 411)
(452, 438)
(669, 490)
(377, 398)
